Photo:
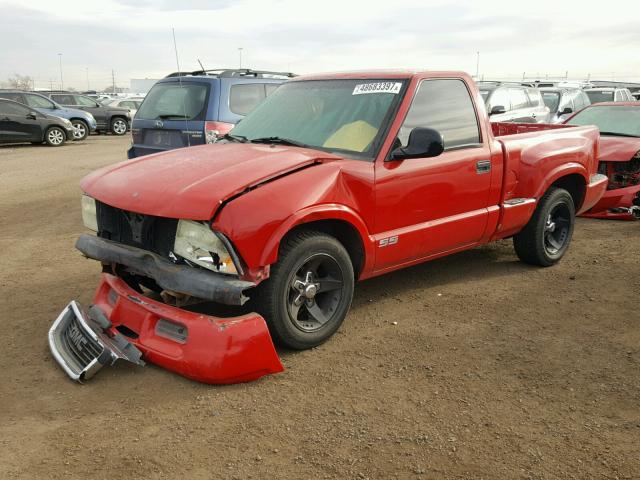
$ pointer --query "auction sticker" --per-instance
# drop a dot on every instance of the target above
(377, 87)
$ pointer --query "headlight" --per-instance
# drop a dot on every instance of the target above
(66, 122)
(196, 243)
(89, 216)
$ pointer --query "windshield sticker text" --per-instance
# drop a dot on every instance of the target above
(378, 87)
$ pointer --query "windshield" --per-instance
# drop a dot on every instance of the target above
(36, 101)
(611, 120)
(172, 101)
(597, 96)
(551, 100)
(335, 115)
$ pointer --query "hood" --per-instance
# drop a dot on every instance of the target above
(191, 183)
(618, 149)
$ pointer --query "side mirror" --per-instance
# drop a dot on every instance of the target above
(497, 110)
(423, 143)
(566, 111)
(31, 116)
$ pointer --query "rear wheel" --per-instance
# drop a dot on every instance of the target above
(546, 238)
(309, 291)
(55, 136)
(118, 126)
(81, 129)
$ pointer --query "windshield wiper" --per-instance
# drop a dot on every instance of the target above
(279, 141)
(167, 116)
(235, 138)
(617, 134)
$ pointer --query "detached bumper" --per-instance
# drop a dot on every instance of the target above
(616, 204)
(201, 347)
(193, 281)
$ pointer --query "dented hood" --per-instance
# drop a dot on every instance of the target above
(191, 183)
(618, 149)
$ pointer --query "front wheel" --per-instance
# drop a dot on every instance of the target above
(309, 291)
(55, 136)
(81, 129)
(118, 126)
(546, 238)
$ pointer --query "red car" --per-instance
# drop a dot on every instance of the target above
(332, 179)
(619, 124)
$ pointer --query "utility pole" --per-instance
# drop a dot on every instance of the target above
(61, 82)
(477, 65)
(113, 79)
(88, 79)
(240, 52)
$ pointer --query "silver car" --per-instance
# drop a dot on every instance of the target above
(563, 102)
(512, 102)
(609, 94)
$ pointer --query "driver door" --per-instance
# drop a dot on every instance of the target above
(426, 206)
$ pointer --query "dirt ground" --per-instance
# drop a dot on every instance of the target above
(494, 370)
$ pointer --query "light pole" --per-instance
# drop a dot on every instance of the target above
(88, 88)
(240, 52)
(477, 65)
(61, 82)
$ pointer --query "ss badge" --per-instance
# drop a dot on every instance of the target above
(388, 241)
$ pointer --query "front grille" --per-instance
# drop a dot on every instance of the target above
(155, 234)
(79, 347)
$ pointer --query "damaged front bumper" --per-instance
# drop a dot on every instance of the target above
(617, 204)
(200, 347)
(197, 282)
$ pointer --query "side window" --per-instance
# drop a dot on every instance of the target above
(84, 101)
(10, 108)
(64, 99)
(243, 98)
(446, 106)
(500, 97)
(518, 98)
(16, 97)
(36, 101)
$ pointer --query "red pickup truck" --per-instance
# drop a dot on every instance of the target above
(334, 178)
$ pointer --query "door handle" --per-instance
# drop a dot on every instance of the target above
(483, 166)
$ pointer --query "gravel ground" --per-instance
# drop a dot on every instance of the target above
(470, 367)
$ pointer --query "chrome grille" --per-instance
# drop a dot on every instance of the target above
(79, 344)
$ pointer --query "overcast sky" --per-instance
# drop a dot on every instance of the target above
(133, 37)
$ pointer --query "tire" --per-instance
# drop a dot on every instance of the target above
(118, 126)
(55, 136)
(82, 129)
(299, 312)
(546, 238)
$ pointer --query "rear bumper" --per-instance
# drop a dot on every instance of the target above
(594, 191)
(201, 347)
(192, 281)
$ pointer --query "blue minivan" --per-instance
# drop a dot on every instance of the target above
(185, 109)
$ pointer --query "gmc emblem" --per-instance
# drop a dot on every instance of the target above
(76, 337)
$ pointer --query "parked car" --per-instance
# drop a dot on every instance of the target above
(110, 119)
(619, 157)
(83, 122)
(333, 178)
(511, 102)
(609, 94)
(20, 124)
(187, 109)
(129, 104)
(563, 102)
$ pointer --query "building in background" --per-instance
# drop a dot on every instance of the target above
(142, 85)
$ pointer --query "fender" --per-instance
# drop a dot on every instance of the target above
(559, 172)
(327, 211)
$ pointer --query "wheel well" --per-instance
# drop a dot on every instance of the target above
(575, 185)
(79, 119)
(345, 233)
